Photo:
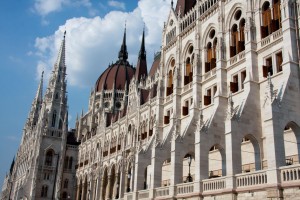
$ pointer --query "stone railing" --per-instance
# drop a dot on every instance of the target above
(290, 173)
(168, 98)
(185, 188)
(143, 194)
(162, 191)
(153, 100)
(187, 87)
(210, 73)
(237, 58)
(251, 179)
(269, 39)
(214, 184)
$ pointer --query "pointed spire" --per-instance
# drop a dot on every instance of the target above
(39, 93)
(123, 54)
(141, 67)
(60, 62)
(142, 54)
(12, 166)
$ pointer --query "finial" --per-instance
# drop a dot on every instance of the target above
(172, 3)
(65, 33)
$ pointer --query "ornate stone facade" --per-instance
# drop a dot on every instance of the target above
(44, 166)
(217, 117)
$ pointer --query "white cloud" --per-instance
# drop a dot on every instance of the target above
(93, 43)
(45, 7)
(117, 4)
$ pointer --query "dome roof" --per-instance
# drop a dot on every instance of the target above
(155, 64)
(116, 76)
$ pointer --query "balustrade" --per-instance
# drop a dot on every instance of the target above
(251, 179)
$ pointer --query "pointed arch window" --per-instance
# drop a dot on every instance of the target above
(270, 23)
(237, 30)
(49, 158)
(54, 118)
(211, 56)
(188, 77)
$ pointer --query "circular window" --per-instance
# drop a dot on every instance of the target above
(238, 15)
(171, 23)
(106, 104)
(212, 34)
(118, 104)
(191, 49)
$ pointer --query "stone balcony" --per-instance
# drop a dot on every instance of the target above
(252, 181)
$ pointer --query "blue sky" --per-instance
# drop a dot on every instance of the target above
(31, 32)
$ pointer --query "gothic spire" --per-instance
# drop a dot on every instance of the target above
(36, 104)
(142, 54)
(123, 54)
(39, 93)
(141, 67)
(55, 97)
(60, 62)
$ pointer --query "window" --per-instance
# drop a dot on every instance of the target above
(268, 68)
(211, 52)
(70, 162)
(271, 67)
(65, 195)
(185, 108)
(167, 118)
(53, 118)
(66, 162)
(188, 77)
(66, 182)
(237, 82)
(234, 85)
(279, 61)
(170, 83)
(210, 93)
(44, 192)
(270, 23)
(237, 34)
(49, 157)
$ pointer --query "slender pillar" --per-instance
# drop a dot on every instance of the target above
(107, 194)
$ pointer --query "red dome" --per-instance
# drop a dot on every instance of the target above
(115, 77)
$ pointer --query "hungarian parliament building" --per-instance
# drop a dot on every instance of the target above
(216, 116)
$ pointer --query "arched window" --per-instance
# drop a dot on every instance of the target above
(53, 118)
(188, 77)
(49, 158)
(211, 53)
(269, 23)
(237, 34)
(170, 78)
(66, 182)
